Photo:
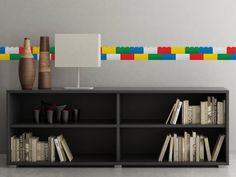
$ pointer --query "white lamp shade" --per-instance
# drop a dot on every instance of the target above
(77, 50)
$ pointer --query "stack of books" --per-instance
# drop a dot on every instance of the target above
(190, 148)
(208, 112)
(28, 148)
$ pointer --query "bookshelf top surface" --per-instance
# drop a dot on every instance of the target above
(129, 90)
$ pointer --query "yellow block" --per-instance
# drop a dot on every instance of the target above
(108, 50)
(140, 56)
(177, 50)
(210, 56)
(35, 50)
(4, 56)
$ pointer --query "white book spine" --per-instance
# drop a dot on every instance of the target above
(58, 150)
(176, 150)
(171, 149)
(197, 149)
(177, 113)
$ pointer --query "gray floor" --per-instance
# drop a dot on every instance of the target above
(229, 171)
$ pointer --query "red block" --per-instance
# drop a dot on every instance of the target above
(127, 56)
(52, 56)
(231, 50)
(196, 56)
(164, 50)
(21, 50)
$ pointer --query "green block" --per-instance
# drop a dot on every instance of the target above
(189, 50)
(225, 57)
(154, 56)
(52, 50)
(15, 56)
(122, 50)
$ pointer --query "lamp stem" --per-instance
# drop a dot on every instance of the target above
(78, 79)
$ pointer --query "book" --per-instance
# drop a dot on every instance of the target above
(209, 110)
(194, 135)
(201, 149)
(224, 111)
(51, 149)
(204, 114)
(17, 149)
(176, 150)
(190, 115)
(34, 148)
(220, 112)
(27, 149)
(180, 149)
(214, 102)
(207, 147)
(38, 151)
(67, 149)
(185, 112)
(59, 150)
(171, 112)
(176, 113)
(191, 149)
(183, 149)
(196, 115)
(187, 146)
(13, 159)
(171, 148)
(197, 148)
(164, 147)
(217, 147)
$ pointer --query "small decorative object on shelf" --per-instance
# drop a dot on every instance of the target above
(76, 115)
(50, 116)
(44, 80)
(44, 106)
(37, 116)
(59, 109)
(65, 116)
(27, 67)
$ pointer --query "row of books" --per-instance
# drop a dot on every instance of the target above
(208, 112)
(28, 148)
(189, 148)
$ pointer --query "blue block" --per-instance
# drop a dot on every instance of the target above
(103, 57)
(2, 50)
(136, 50)
(233, 56)
(35, 56)
(168, 56)
(206, 50)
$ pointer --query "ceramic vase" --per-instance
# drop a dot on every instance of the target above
(44, 79)
(27, 66)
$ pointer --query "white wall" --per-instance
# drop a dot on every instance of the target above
(126, 22)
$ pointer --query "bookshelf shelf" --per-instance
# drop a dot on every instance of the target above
(117, 126)
(170, 126)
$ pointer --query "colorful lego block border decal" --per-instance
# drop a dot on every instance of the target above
(139, 53)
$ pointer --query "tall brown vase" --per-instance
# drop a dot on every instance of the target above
(27, 68)
(44, 80)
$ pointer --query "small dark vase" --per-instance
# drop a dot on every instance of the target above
(27, 69)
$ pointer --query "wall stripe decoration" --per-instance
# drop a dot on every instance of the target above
(113, 53)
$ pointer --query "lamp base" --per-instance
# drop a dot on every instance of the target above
(79, 88)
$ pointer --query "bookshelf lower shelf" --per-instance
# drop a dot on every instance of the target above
(82, 160)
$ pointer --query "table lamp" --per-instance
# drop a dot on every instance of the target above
(77, 50)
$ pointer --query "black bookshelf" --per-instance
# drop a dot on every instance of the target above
(117, 126)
